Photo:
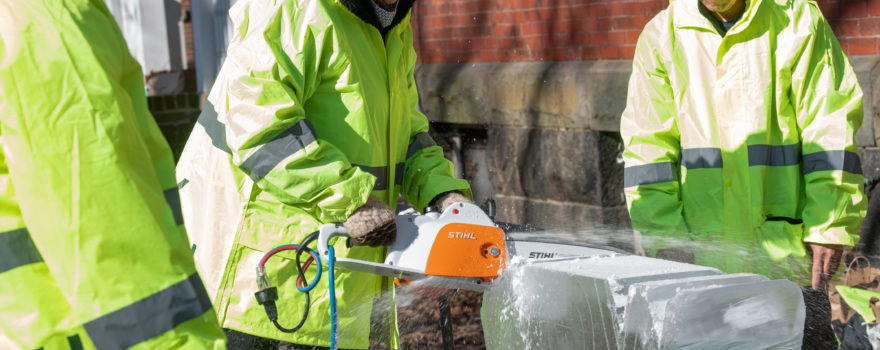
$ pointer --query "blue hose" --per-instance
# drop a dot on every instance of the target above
(333, 320)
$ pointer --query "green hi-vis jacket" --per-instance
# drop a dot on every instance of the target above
(312, 112)
(743, 143)
(93, 252)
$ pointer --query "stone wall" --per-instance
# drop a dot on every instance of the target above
(542, 138)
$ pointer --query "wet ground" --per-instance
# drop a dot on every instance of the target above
(419, 323)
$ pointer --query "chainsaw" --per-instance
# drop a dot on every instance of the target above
(460, 248)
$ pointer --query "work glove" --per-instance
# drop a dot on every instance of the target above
(445, 199)
(372, 224)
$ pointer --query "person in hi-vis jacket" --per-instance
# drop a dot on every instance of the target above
(93, 251)
(739, 135)
(313, 119)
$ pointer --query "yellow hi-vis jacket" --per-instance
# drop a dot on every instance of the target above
(93, 252)
(743, 143)
(312, 112)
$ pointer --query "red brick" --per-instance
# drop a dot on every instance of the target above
(592, 52)
(597, 10)
(533, 28)
(853, 9)
(562, 38)
(491, 56)
(562, 26)
(870, 26)
(501, 17)
(641, 21)
(617, 9)
(631, 37)
(534, 42)
(861, 46)
(830, 9)
(580, 12)
(627, 51)
(874, 8)
(651, 8)
(624, 23)
(609, 52)
(503, 30)
(845, 28)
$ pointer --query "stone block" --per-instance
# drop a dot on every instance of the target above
(453, 93)
(610, 224)
(576, 94)
(866, 69)
(552, 164)
(476, 171)
(874, 93)
(870, 157)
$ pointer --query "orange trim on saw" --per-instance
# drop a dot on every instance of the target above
(464, 250)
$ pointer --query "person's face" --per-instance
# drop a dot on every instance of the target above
(717, 6)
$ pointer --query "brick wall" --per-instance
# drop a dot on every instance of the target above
(565, 30)
(856, 23)
(188, 31)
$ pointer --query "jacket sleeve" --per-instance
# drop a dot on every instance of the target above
(828, 103)
(268, 132)
(94, 180)
(427, 172)
(651, 139)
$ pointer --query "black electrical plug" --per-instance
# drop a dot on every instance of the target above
(267, 297)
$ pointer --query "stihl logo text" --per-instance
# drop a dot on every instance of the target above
(462, 235)
(541, 255)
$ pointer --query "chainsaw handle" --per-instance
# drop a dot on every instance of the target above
(325, 233)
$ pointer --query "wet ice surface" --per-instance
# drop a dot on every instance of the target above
(609, 300)
(646, 305)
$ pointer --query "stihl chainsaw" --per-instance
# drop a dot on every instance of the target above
(459, 248)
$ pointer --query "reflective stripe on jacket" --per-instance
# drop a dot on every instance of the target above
(311, 113)
(744, 140)
(93, 252)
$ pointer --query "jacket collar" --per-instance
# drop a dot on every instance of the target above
(687, 15)
(364, 10)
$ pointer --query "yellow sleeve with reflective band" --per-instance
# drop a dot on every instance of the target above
(652, 142)
(94, 180)
(427, 172)
(271, 138)
(828, 102)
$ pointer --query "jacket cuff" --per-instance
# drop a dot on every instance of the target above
(834, 235)
(439, 187)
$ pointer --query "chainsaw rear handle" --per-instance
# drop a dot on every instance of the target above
(325, 233)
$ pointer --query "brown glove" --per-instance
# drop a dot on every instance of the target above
(372, 224)
(445, 199)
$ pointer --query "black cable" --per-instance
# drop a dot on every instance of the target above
(303, 246)
(301, 321)
(267, 297)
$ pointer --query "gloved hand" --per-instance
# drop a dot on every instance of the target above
(445, 199)
(372, 224)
